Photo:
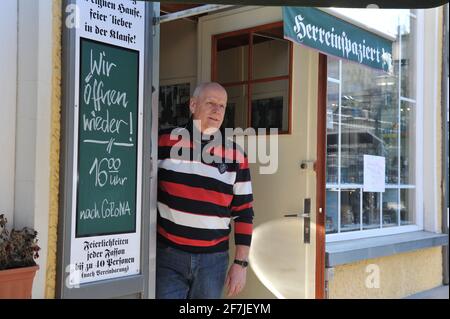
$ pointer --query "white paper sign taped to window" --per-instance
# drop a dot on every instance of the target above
(374, 173)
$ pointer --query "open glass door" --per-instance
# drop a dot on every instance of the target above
(268, 91)
(272, 84)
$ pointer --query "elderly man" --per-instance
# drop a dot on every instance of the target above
(197, 200)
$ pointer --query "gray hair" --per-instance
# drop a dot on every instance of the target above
(199, 89)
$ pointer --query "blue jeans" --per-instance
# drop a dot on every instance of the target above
(184, 275)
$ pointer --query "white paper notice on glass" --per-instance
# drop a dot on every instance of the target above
(374, 173)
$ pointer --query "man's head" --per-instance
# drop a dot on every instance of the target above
(208, 105)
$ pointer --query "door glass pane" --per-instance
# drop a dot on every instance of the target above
(332, 211)
(332, 132)
(270, 53)
(350, 210)
(236, 112)
(407, 211)
(232, 58)
(371, 210)
(390, 208)
(174, 105)
(270, 102)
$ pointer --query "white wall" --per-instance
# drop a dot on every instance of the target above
(178, 53)
(32, 168)
(8, 80)
(431, 121)
(25, 108)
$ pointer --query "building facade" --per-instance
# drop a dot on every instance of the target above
(385, 244)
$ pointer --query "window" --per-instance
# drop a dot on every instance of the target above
(174, 105)
(254, 65)
(370, 112)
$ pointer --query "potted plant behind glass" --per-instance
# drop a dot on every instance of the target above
(18, 250)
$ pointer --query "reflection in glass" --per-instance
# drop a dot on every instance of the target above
(232, 58)
(269, 45)
(350, 210)
(371, 210)
(407, 211)
(407, 142)
(366, 114)
(408, 63)
(333, 67)
(270, 105)
(332, 132)
(236, 110)
(389, 136)
(384, 20)
(390, 208)
(373, 121)
(174, 105)
(332, 211)
(228, 119)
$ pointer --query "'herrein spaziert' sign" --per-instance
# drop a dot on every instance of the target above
(321, 31)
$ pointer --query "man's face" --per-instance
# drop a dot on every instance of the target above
(209, 108)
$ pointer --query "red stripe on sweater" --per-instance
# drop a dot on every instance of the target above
(242, 207)
(164, 140)
(196, 193)
(229, 154)
(243, 228)
(190, 242)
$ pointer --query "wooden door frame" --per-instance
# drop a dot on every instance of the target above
(320, 168)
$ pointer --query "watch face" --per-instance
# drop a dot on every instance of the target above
(243, 263)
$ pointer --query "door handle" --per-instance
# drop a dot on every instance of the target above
(292, 215)
(297, 215)
(306, 212)
(306, 220)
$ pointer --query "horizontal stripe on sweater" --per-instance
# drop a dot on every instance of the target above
(193, 220)
(192, 233)
(197, 168)
(195, 181)
(192, 206)
(219, 247)
(196, 193)
(191, 242)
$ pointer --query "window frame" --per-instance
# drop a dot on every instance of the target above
(418, 185)
(250, 81)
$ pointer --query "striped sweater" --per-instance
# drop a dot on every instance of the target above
(198, 199)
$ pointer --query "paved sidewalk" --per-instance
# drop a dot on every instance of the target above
(435, 293)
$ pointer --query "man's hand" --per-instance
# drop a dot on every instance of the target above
(235, 280)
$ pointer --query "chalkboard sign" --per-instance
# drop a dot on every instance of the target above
(107, 144)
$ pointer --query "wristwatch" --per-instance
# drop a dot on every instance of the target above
(242, 263)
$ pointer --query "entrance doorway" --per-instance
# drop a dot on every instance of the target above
(288, 247)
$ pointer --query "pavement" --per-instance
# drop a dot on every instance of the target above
(440, 292)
